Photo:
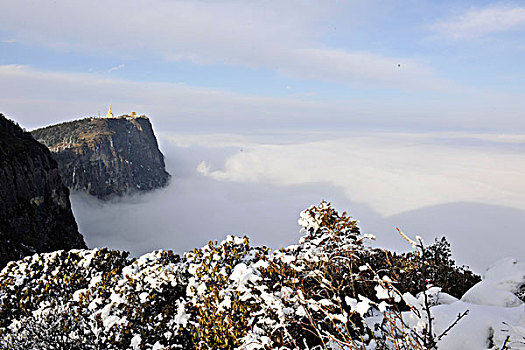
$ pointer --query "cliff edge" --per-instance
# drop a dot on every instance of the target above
(106, 157)
(35, 212)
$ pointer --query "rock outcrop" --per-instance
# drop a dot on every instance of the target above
(106, 157)
(35, 212)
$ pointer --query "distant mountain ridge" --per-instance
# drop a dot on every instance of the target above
(35, 212)
(106, 157)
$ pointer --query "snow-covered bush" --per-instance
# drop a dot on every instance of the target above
(335, 291)
(440, 270)
(331, 287)
(318, 294)
(330, 291)
(145, 305)
(38, 307)
(220, 292)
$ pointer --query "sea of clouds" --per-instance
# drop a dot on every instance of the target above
(464, 186)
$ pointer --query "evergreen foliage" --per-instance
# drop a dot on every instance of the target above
(318, 294)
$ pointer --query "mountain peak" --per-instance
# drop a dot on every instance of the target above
(108, 156)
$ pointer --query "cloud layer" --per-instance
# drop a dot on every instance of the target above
(258, 187)
(480, 22)
(241, 33)
(37, 98)
(392, 173)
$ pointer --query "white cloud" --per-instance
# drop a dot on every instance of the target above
(391, 173)
(119, 67)
(37, 98)
(362, 173)
(33, 97)
(359, 68)
(9, 41)
(480, 22)
(281, 36)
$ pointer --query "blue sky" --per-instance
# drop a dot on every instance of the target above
(392, 109)
(442, 58)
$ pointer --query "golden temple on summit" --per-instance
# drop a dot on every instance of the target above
(109, 114)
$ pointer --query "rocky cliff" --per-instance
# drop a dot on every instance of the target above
(106, 157)
(35, 212)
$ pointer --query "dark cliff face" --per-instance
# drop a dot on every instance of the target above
(35, 212)
(106, 157)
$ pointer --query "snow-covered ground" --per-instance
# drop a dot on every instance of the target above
(495, 312)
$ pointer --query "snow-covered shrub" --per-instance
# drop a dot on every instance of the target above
(324, 287)
(220, 292)
(38, 306)
(56, 327)
(330, 276)
(145, 305)
(336, 292)
(440, 270)
(330, 291)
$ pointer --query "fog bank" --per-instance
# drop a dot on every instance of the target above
(462, 186)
